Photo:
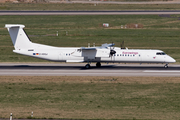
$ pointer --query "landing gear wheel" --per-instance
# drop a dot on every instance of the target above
(166, 66)
(98, 64)
(87, 66)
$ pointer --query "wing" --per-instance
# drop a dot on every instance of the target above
(107, 45)
(103, 46)
(93, 52)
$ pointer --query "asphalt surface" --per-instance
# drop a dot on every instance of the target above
(63, 69)
(134, 12)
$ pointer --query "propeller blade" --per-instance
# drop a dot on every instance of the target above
(112, 52)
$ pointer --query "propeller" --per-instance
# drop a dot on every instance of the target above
(112, 51)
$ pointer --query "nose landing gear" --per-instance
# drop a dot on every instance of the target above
(166, 66)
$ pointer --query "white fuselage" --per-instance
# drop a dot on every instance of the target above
(66, 54)
(104, 53)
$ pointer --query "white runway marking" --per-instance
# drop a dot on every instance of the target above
(172, 71)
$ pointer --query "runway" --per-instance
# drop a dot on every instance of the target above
(134, 12)
(63, 69)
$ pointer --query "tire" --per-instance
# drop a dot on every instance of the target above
(87, 66)
(98, 64)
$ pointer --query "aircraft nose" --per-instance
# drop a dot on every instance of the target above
(171, 60)
(174, 60)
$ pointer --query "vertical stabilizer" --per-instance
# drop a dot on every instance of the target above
(18, 36)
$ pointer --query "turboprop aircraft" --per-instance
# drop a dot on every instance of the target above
(105, 53)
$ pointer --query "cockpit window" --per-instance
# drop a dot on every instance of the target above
(160, 53)
(163, 53)
(79, 50)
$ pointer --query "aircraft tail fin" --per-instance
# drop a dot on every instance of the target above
(18, 36)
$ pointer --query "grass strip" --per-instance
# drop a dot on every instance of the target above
(90, 97)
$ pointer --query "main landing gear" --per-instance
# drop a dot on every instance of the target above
(166, 66)
(87, 66)
(98, 64)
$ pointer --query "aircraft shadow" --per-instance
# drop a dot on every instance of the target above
(103, 67)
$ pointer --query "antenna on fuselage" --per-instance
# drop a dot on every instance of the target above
(122, 45)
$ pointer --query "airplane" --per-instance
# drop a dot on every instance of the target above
(106, 53)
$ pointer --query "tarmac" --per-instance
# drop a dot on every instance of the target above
(78, 69)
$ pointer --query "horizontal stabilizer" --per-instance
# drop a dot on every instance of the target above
(14, 26)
